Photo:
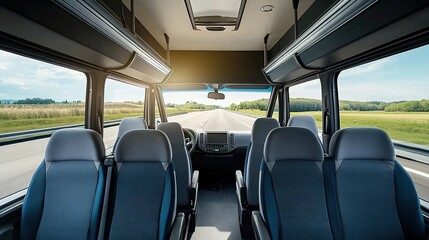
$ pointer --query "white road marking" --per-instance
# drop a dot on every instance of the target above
(417, 172)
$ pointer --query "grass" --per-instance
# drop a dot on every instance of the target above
(258, 113)
(23, 117)
(403, 126)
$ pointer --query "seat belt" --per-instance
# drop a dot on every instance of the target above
(108, 161)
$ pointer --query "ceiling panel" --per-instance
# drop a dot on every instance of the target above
(171, 17)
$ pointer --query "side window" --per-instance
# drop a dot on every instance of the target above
(306, 99)
(36, 98)
(120, 100)
(392, 94)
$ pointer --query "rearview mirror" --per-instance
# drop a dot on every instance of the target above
(216, 95)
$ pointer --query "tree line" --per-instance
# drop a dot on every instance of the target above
(409, 106)
(192, 105)
(296, 105)
(36, 100)
(307, 104)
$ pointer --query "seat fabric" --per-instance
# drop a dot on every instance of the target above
(129, 123)
(261, 128)
(143, 202)
(181, 159)
(376, 196)
(65, 195)
(292, 193)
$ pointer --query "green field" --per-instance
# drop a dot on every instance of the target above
(15, 118)
(403, 126)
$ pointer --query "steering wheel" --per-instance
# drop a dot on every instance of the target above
(190, 139)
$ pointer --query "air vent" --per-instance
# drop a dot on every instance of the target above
(201, 140)
(215, 29)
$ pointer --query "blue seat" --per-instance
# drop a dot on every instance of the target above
(292, 193)
(376, 197)
(129, 123)
(65, 195)
(247, 186)
(143, 193)
(305, 121)
(186, 179)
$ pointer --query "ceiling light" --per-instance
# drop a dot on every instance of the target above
(219, 13)
(267, 8)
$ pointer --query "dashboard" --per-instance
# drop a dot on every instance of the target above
(221, 142)
(217, 152)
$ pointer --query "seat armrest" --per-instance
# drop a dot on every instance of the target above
(194, 189)
(195, 177)
(240, 188)
(239, 179)
(178, 227)
(261, 232)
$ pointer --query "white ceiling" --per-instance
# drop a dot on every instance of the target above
(171, 17)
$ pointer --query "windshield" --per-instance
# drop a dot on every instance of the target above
(237, 112)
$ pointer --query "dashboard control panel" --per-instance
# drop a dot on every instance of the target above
(216, 142)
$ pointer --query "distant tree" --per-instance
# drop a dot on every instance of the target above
(409, 106)
(192, 105)
(35, 101)
(307, 104)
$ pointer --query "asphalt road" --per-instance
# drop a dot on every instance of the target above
(19, 161)
(214, 120)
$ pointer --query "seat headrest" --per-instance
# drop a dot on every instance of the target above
(261, 128)
(75, 144)
(304, 121)
(131, 123)
(174, 132)
(361, 143)
(292, 143)
(144, 145)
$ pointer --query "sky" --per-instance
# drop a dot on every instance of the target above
(400, 77)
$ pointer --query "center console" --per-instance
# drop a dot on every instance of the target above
(216, 142)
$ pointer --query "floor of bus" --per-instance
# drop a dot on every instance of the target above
(217, 211)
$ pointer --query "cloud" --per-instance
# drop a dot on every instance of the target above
(54, 72)
(380, 91)
(367, 68)
(12, 81)
(311, 89)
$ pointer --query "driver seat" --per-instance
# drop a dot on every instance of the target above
(187, 181)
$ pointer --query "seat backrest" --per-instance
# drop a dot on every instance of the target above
(260, 130)
(129, 123)
(376, 196)
(305, 121)
(292, 193)
(181, 159)
(65, 195)
(143, 203)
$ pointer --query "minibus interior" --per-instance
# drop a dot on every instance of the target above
(203, 119)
